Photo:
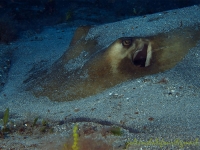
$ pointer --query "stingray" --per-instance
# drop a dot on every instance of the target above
(86, 68)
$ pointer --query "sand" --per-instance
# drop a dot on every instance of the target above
(144, 107)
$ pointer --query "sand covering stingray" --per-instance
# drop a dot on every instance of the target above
(87, 68)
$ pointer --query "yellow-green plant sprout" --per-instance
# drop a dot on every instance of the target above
(162, 143)
(116, 131)
(68, 15)
(35, 121)
(5, 122)
(75, 136)
(44, 123)
(5, 117)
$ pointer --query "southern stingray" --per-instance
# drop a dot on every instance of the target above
(86, 68)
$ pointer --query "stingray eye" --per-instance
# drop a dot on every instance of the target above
(127, 42)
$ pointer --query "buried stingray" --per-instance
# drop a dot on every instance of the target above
(86, 69)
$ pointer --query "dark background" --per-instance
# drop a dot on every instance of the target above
(22, 15)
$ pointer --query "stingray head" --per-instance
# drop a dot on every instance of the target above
(139, 50)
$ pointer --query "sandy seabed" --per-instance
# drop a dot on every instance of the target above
(164, 105)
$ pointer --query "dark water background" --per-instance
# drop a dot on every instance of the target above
(21, 15)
